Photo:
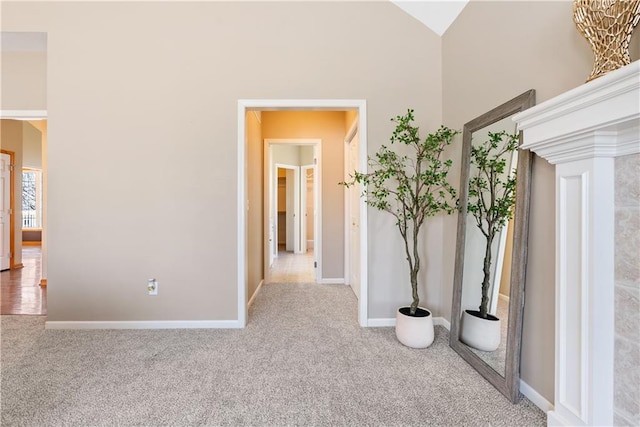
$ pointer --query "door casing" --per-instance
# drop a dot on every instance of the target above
(245, 105)
(350, 265)
(12, 208)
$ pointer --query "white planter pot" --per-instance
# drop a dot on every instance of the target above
(483, 334)
(413, 331)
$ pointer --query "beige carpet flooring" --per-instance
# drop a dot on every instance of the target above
(302, 360)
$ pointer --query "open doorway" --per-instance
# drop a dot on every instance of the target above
(23, 205)
(291, 206)
(260, 120)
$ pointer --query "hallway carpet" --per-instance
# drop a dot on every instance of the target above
(302, 360)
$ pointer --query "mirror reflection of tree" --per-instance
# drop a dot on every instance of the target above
(492, 197)
(504, 291)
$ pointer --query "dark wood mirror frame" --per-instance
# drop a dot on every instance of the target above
(509, 384)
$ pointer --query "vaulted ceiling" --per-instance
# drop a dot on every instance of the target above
(437, 15)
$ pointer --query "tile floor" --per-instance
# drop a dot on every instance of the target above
(20, 291)
(292, 268)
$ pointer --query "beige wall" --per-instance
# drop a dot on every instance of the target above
(11, 140)
(31, 146)
(164, 101)
(255, 226)
(349, 118)
(24, 80)
(284, 154)
(493, 52)
(329, 127)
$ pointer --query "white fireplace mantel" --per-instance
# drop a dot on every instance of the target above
(581, 132)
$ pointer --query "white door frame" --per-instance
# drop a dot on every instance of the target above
(8, 193)
(245, 105)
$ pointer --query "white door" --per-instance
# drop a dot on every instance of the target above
(354, 220)
(5, 213)
(306, 207)
(273, 245)
(272, 208)
(290, 211)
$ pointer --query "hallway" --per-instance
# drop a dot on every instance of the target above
(21, 292)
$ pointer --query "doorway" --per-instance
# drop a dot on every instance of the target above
(24, 284)
(297, 105)
(291, 206)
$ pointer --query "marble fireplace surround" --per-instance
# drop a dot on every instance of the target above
(582, 132)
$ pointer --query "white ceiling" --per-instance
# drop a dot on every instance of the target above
(437, 15)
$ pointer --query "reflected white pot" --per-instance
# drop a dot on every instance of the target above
(483, 334)
(413, 331)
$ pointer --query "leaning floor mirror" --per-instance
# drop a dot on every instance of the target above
(491, 251)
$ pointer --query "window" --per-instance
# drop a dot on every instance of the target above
(31, 198)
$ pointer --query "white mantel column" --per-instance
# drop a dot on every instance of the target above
(581, 132)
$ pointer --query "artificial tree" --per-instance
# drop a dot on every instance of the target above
(492, 195)
(410, 187)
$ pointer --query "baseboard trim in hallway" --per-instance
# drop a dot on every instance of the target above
(255, 294)
(336, 281)
(146, 324)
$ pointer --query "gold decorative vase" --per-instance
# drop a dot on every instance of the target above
(607, 25)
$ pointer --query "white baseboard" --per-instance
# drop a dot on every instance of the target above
(255, 294)
(336, 281)
(535, 397)
(503, 297)
(382, 323)
(146, 324)
(441, 321)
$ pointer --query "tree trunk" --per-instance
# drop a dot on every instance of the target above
(414, 292)
(415, 270)
(487, 275)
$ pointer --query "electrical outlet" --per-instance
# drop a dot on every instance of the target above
(152, 287)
